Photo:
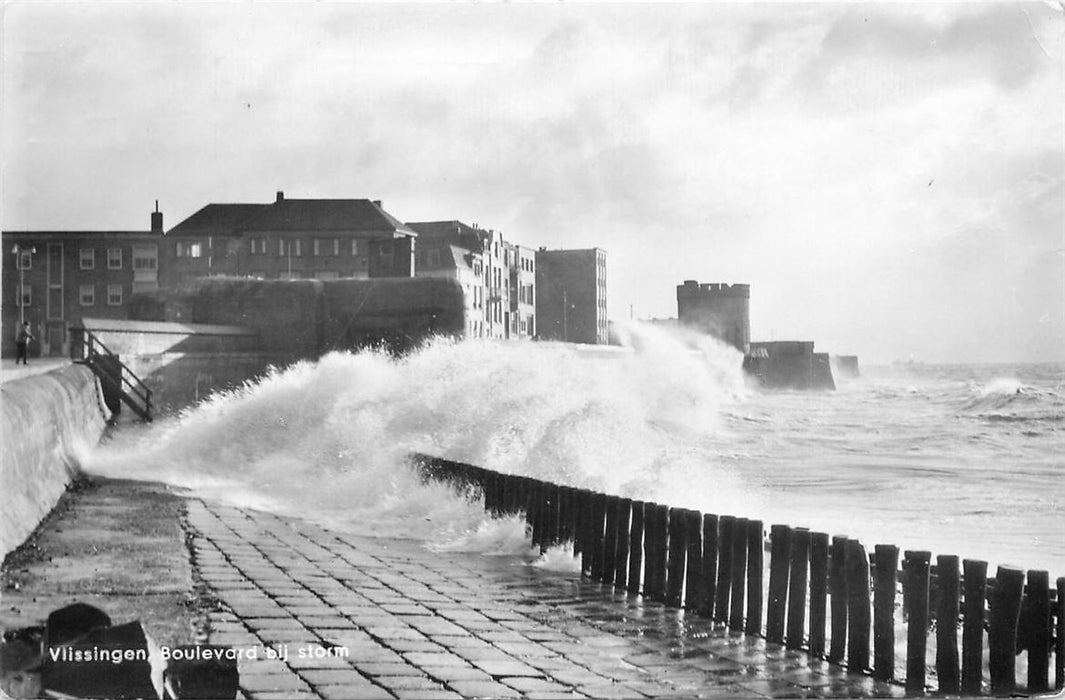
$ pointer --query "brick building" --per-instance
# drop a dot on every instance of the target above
(290, 239)
(570, 295)
(53, 279)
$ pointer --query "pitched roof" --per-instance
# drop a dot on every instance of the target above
(292, 215)
(456, 232)
(217, 220)
(326, 215)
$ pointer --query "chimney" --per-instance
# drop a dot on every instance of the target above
(280, 196)
(157, 219)
(377, 203)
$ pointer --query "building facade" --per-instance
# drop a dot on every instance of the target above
(570, 294)
(717, 309)
(290, 239)
(489, 250)
(53, 279)
(521, 263)
(439, 257)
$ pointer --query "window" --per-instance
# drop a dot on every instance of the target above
(87, 295)
(258, 246)
(114, 295)
(87, 258)
(114, 258)
(326, 246)
(189, 249)
(354, 247)
(145, 258)
(292, 247)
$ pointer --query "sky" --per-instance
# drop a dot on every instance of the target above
(889, 178)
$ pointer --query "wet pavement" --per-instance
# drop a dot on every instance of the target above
(320, 614)
(9, 371)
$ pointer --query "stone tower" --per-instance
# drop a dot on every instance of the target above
(720, 310)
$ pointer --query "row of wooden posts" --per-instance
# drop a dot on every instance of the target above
(714, 566)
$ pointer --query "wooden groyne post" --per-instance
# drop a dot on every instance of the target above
(713, 566)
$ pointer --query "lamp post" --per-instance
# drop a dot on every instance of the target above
(566, 306)
(18, 251)
(565, 325)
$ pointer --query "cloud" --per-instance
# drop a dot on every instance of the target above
(805, 149)
(875, 58)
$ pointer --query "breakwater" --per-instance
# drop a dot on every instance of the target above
(49, 422)
(823, 595)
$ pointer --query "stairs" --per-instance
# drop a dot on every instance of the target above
(118, 381)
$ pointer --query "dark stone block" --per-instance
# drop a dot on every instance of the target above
(107, 662)
(73, 621)
(202, 672)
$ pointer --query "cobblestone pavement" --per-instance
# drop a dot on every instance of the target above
(354, 617)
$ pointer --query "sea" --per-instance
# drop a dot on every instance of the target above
(954, 459)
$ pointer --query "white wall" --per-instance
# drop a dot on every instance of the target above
(48, 421)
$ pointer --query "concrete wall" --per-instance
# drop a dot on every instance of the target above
(845, 365)
(274, 323)
(789, 365)
(399, 311)
(48, 421)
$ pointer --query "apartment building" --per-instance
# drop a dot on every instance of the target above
(521, 263)
(571, 295)
(491, 249)
(53, 279)
(290, 239)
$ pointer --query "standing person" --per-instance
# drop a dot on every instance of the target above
(24, 337)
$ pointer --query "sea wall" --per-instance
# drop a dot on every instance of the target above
(213, 334)
(789, 364)
(49, 420)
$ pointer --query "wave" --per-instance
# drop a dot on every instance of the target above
(1008, 400)
(328, 440)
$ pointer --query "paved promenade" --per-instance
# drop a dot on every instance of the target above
(377, 618)
(359, 617)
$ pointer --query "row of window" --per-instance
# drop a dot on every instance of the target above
(87, 260)
(288, 247)
(86, 295)
(320, 247)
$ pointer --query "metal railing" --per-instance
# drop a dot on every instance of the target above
(114, 374)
